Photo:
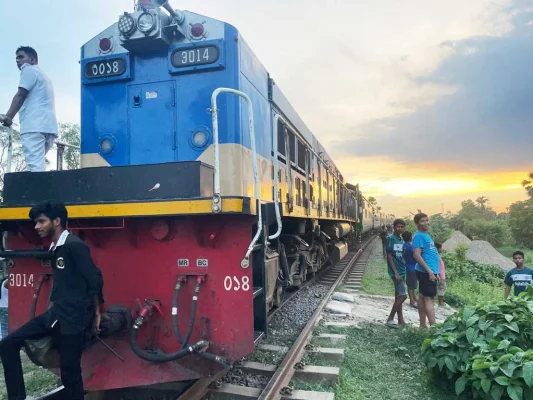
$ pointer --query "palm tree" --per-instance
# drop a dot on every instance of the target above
(481, 201)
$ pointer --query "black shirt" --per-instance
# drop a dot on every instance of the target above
(77, 280)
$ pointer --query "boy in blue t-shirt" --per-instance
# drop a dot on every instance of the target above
(410, 264)
(520, 276)
(427, 270)
(396, 269)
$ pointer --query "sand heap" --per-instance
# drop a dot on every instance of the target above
(483, 252)
(455, 240)
(478, 250)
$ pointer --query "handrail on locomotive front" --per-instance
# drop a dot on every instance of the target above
(217, 203)
(275, 161)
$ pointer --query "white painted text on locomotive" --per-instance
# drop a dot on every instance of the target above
(236, 284)
(183, 262)
(20, 280)
(202, 262)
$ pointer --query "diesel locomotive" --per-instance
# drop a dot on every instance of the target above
(202, 195)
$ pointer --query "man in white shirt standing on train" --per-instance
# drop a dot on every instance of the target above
(35, 103)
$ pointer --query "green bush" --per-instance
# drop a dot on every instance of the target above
(458, 268)
(469, 282)
(486, 349)
(460, 251)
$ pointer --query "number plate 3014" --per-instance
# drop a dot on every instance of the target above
(105, 68)
(195, 56)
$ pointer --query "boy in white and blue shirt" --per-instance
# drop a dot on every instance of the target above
(520, 277)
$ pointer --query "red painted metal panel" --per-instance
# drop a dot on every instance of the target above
(137, 266)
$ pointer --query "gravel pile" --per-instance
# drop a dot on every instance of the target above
(483, 252)
(455, 240)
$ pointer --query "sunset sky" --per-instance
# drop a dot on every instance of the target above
(425, 103)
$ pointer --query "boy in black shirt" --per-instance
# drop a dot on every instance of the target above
(75, 305)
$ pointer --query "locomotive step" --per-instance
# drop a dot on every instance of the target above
(258, 335)
(257, 291)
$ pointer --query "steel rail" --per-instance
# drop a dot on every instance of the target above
(285, 371)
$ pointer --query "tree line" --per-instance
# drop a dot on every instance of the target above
(478, 220)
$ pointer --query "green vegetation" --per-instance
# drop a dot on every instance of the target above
(469, 282)
(382, 363)
(38, 380)
(508, 251)
(486, 350)
(376, 280)
(521, 217)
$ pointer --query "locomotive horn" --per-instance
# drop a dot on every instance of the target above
(166, 6)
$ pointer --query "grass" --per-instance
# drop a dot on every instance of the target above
(38, 380)
(376, 280)
(382, 363)
(467, 291)
(508, 251)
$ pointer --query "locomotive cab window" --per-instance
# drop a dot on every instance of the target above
(301, 155)
(281, 138)
(292, 147)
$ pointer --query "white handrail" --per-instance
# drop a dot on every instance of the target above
(288, 170)
(72, 146)
(9, 149)
(275, 162)
(217, 204)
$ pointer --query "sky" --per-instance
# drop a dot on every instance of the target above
(425, 104)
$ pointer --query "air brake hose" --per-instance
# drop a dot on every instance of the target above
(212, 357)
(175, 312)
(175, 325)
(192, 317)
(161, 358)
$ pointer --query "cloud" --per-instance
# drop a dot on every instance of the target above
(483, 120)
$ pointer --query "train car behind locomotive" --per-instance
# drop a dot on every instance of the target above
(202, 195)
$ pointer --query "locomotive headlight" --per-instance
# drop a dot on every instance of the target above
(126, 24)
(106, 145)
(199, 139)
(146, 22)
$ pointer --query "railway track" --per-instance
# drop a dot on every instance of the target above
(348, 273)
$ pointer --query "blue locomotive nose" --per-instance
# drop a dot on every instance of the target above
(147, 81)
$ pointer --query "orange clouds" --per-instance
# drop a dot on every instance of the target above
(401, 188)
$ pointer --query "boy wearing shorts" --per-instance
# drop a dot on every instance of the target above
(427, 270)
(396, 269)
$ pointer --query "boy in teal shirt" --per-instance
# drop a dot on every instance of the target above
(396, 269)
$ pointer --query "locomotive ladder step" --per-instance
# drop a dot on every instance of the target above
(258, 335)
(257, 291)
